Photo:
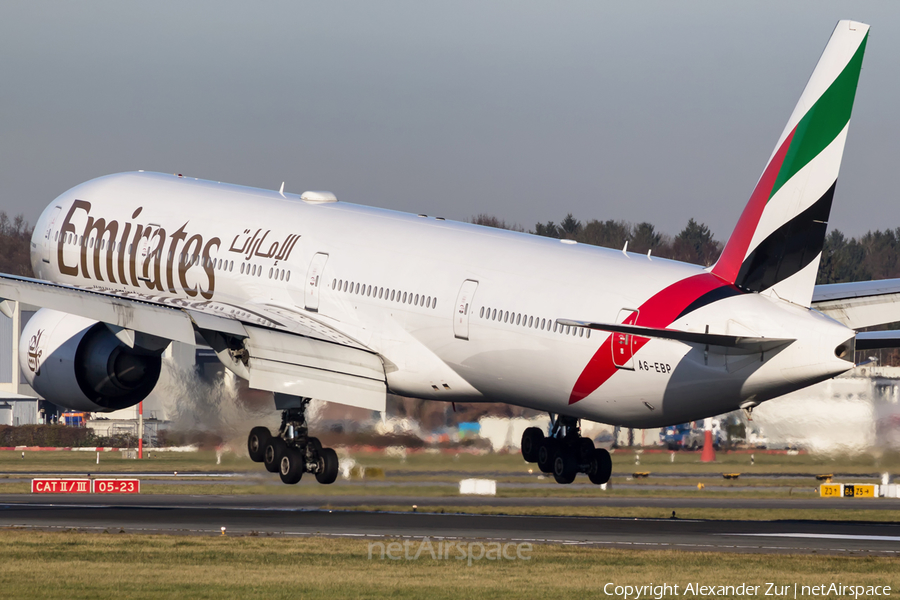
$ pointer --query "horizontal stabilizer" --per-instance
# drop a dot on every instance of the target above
(877, 340)
(750, 344)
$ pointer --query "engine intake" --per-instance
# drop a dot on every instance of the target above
(79, 364)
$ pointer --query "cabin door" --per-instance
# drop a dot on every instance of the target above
(463, 308)
(623, 343)
(314, 281)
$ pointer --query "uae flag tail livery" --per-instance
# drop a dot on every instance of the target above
(777, 243)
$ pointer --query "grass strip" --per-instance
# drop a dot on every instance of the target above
(78, 565)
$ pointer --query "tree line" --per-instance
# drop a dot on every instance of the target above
(15, 239)
(875, 255)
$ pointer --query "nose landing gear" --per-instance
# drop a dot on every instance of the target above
(564, 453)
(292, 452)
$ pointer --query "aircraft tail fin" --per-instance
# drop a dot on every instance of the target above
(777, 243)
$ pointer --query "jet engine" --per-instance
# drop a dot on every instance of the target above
(81, 364)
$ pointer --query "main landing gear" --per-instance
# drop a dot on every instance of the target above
(565, 453)
(292, 452)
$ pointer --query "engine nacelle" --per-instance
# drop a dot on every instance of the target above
(80, 364)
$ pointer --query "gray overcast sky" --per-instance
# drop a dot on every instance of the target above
(644, 111)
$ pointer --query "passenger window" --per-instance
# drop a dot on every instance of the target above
(417, 300)
(404, 298)
(519, 319)
(288, 276)
(428, 303)
(482, 312)
(434, 303)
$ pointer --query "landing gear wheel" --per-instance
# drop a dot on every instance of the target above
(585, 449)
(545, 452)
(531, 440)
(565, 466)
(600, 467)
(273, 453)
(328, 466)
(291, 466)
(315, 444)
(256, 443)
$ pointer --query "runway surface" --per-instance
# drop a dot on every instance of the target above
(315, 501)
(303, 516)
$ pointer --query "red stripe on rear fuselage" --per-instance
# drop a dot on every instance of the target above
(659, 311)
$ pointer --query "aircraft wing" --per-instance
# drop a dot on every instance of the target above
(859, 304)
(276, 350)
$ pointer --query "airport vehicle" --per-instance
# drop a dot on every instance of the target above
(308, 297)
(694, 436)
(674, 436)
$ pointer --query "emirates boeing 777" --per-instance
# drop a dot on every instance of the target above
(312, 298)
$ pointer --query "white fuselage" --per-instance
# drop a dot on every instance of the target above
(397, 283)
